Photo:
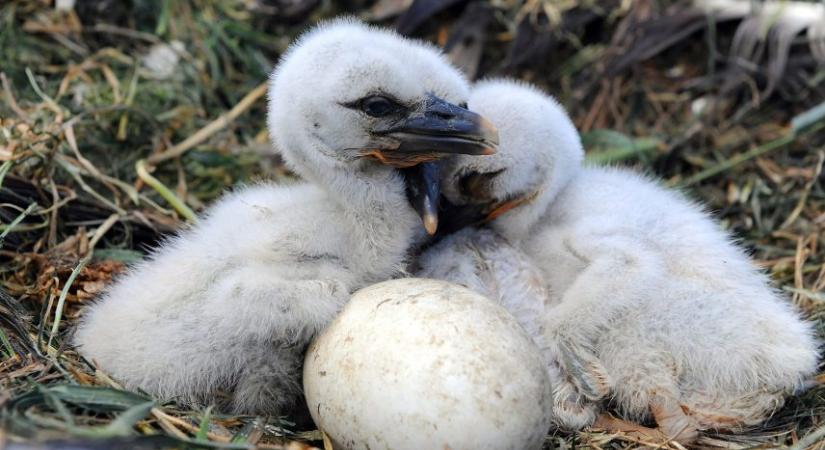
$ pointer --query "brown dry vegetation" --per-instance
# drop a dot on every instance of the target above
(100, 156)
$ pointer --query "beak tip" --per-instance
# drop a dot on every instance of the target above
(488, 151)
(430, 223)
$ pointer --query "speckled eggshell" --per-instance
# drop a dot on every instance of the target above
(424, 364)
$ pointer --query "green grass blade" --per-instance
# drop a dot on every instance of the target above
(203, 429)
(97, 398)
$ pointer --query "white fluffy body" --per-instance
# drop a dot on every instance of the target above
(229, 305)
(650, 304)
(483, 261)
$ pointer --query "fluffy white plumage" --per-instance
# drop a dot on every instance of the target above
(649, 303)
(227, 307)
(481, 260)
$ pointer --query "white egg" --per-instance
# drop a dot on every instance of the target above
(425, 364)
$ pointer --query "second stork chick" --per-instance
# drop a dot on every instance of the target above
(649, 303)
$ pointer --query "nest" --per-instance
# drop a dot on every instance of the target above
(120, 120)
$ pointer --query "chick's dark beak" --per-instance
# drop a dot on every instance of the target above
(423, 191)
(443, 127)
(480, 204)
(435, 129)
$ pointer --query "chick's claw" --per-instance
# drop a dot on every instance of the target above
(584, 369)
(579, 381)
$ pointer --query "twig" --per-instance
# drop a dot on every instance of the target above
(216, 125)
(808, 118)
(811, 295)
(130, 98)
(810, 439)
(51, 238)
(164, 192)
(806, 191)
(192, 428)
(164, 420)
(4, 169)
(49, 101)
(753, 153)
(74, 172)
(10, 98)
(7, 348)
(15, 222)
(637, 147)
(112, 29)
(58, 313)
(106, 180)
(68, 131)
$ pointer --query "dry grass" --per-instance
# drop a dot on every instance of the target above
(100, 156)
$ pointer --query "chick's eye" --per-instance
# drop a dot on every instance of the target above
(377, 106)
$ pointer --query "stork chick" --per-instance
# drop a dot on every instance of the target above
(650, 304)
(223, 312)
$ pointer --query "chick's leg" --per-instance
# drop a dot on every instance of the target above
(260, 328)
(673, 424)
(270, 381)
(672, 420)
(571, 410)
(649, 381)
(617, 273)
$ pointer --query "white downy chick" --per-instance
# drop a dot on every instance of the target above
(650, 304)
(222, 313)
